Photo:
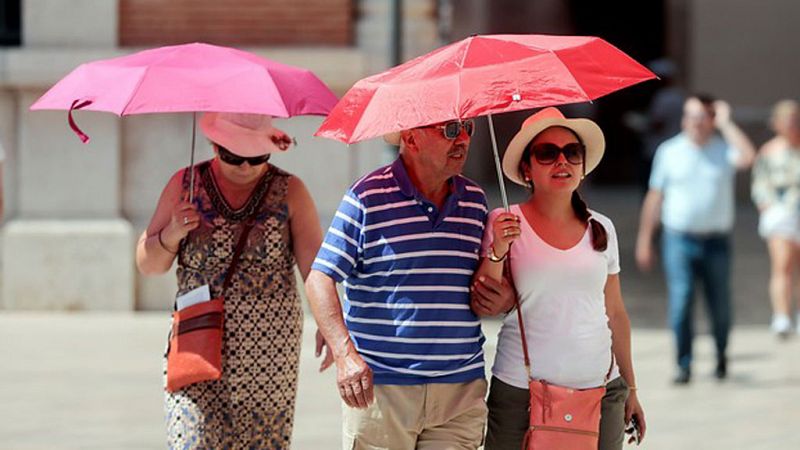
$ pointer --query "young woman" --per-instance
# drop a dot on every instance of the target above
(776, 193)
(565, 267)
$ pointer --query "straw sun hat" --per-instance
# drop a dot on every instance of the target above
(587, 131)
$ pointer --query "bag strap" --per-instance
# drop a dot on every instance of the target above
(236, 254)
(508, 274)
(249, 223)
(525, 354)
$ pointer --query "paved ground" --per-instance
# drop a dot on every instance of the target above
(92, 381)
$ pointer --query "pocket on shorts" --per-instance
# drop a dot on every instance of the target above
(617, 391)
(353, 443)
(480, 391)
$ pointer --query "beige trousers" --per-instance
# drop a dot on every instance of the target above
(441, 416)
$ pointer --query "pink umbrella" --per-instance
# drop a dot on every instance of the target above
(189, 78)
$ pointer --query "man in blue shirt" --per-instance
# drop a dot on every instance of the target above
(692, 194)
(405, 243)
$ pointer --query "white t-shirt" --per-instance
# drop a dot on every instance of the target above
(563, 307)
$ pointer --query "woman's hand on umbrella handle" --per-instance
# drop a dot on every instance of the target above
(183, 220)
(506, 230)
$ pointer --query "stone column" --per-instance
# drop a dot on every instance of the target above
(66, 246)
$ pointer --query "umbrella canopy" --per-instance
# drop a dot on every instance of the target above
(190, 78)
(482, 75)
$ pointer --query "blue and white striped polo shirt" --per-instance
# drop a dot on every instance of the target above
(406, 269)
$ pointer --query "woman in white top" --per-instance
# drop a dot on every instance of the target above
(565, 267)
(776, 193)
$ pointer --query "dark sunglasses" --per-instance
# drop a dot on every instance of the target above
(235, 160)
(452, 130)
(547, 153)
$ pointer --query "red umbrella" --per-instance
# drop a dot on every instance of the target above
(482, 75)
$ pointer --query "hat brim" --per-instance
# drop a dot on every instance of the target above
(239, 140)
(589, 133)
(392, 138)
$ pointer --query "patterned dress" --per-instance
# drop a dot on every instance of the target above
(776, 192)
(252, 405)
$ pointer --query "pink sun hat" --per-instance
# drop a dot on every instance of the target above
(243, 134)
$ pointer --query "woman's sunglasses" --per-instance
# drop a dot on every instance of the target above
(235, 160)
(452, 130)
(547, 153)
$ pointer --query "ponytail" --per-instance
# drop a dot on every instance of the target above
(599, 234)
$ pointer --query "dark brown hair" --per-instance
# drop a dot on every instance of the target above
(706, 99)
(599, 233)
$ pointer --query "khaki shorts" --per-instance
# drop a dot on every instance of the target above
(434, 416)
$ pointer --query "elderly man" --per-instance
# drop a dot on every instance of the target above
(408, 350)
(692, 194)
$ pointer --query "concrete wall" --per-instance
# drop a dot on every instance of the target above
(373, 30)
(8, 139)
(69, 24)
(745, 51)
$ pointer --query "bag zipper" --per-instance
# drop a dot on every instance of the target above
(564, 430)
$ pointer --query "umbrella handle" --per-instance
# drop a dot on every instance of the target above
(497, 166)
(78, 104)
(191, 161)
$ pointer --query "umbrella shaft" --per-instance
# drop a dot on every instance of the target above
(191, 162)
(497, 164)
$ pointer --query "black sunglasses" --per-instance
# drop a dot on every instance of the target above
(235, 160)
(452, 130)
(547, 153)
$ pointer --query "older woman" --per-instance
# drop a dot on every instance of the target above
(776, 193)
(565, 267)
(252, 404)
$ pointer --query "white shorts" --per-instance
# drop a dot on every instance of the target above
(779, 221)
